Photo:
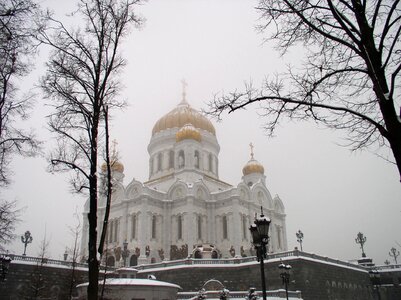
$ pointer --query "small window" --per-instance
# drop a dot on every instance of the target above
(133, 227)
(199, 227)
(171, 159)
(196, 156)
(153, 227)
(179, 227)
(278, 229)
(225, 233)
(159, 161)
(244, 227)
(181, 159)
(116, 227)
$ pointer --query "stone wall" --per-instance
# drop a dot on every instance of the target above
(318, 278)
(28, 280)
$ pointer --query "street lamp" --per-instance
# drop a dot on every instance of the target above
(300, 237)
(394, 254)
(285, 276)
(26, 239)
(125, 251)
(4, 265)
(260, 239)
(375, 279)
(361, 239)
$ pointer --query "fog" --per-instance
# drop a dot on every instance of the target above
(329, 192)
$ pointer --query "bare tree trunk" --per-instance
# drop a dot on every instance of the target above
(109, 183)
(93, 263)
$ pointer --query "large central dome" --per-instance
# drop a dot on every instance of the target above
(182, 115)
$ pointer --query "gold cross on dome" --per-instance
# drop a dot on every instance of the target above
(251, 146)
(114, 149)
(184, 86)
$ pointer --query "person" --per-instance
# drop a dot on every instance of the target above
(252, 295)
(224, 294)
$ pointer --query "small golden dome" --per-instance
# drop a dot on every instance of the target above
(116, 166)
(182, 115)
(253, 166)
(188, 132)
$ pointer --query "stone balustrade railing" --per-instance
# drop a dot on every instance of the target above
(240, 260)
(241, 295)
(193, 261)
(49, 261)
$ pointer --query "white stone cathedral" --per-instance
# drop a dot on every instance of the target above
(184, 209)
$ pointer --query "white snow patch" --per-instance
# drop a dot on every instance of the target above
(134, 282)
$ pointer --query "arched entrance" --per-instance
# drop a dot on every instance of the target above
(133, 260)
(110, 261)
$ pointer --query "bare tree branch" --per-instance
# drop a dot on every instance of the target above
(349, 78)
(81, 80)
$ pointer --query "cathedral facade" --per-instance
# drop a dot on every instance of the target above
(184, 209)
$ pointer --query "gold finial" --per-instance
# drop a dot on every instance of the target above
(251, 146)
(114, 149)
(184, 94)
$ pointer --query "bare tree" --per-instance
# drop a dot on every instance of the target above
(74, 251)
(349, 77)
(81, 80)
(38, 286)
(9, 217)
(17, 47)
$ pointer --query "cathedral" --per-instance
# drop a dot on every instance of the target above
(184, 209)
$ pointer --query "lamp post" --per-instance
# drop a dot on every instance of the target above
(300, 237)
(375, 279)
(285, 276)
(361, 239)
(260, 239)
(125, 251)
(26, 239)
(4, 265)
(394, 254)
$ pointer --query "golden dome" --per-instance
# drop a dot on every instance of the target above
(182, 115)
(253, 166)
(115, 166)
(188, 132)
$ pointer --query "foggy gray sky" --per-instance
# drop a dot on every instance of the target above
(329, 193)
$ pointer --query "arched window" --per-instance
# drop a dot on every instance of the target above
(110, 230)
(181, 159)
(133, 226)
(133, 260)
(171, 159)
(179, 227)
(116, 228)
(159, 161)
(196, 156)
(199, 227)
(244, 227)
(110, 261)
(278, 230)
(225, 233)
(210, 162)
(153, 227)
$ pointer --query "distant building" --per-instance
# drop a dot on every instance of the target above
(184, 209)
